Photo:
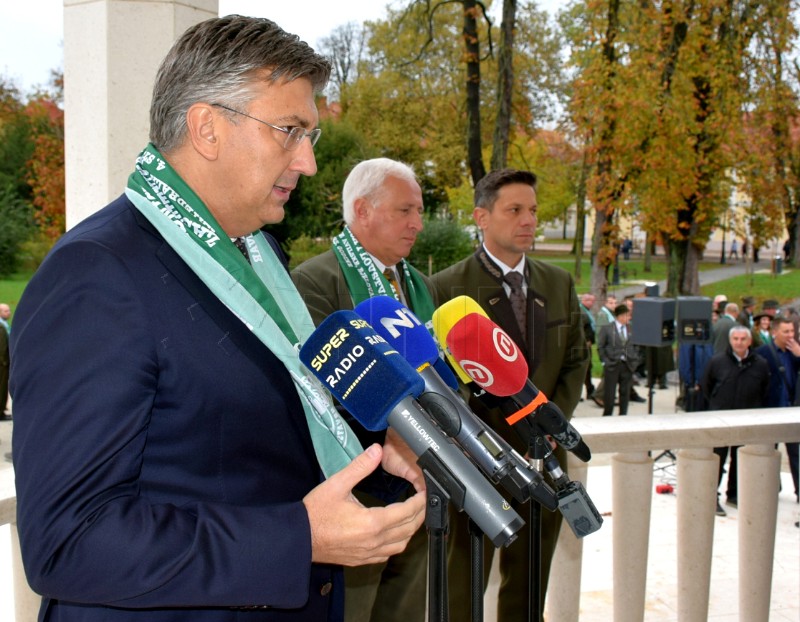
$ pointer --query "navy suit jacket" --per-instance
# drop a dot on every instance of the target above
(782, 383)
(161, 451)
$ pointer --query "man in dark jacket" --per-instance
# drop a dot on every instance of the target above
(783, 356)
(589, 331)
(735, 379)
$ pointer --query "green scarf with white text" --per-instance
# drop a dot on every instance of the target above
(261, 295)
(364, 280)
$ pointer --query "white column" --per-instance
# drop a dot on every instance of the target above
(112, 49)
(758, 472)
(698, 471)
(632, 477)
(563, 597)
(26, 601)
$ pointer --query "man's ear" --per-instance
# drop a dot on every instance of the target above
(479, 215)
(202, 128)
(360, 208)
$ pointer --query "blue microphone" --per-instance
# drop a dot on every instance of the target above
(377, 386)
(493, 455)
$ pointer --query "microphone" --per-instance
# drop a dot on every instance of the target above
(493, 455)
(377, 386)
(495, 363)
(443, 319)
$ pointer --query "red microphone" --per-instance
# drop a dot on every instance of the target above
(495, 363)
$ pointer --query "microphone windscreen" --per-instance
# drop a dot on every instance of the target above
(443, 320)
(488, 355)
(445, 373)
(358, 367)
(401, 329)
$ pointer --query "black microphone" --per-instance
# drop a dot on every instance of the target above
(493, 455)
(377, 386)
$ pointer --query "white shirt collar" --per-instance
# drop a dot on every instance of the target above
(520, 267)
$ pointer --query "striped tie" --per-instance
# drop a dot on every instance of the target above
(518, 300)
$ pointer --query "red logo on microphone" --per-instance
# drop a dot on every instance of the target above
(479, 374)
(504, 345)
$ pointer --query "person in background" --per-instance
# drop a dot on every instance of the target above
(783, 356)
(745, 317)
(762, 333)
(174, 459)
(547, 327)
(589, 328)
(735, 379)
(723, 325)
(620, 358)
(605, 314)
(5, 360)
(382, 211)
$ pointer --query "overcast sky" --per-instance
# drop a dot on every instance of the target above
(31, 31)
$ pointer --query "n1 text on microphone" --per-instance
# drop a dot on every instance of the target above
(494, 456)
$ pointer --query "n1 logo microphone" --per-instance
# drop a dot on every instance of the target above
(377, 386)
(494, 456)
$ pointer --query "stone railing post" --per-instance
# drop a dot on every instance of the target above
(758, 473)
(698, 471)
(632, 482)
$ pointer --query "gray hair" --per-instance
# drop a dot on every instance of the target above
(739, 328)
(218, 61)
(366, 181)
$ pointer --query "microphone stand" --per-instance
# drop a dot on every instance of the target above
(436, 524)
(476, 571)
(537, 452)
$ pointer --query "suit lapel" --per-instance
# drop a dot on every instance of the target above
(537, 332)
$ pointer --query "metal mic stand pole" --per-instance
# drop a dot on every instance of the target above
(537, 450)
(436, 524)
(476, 571)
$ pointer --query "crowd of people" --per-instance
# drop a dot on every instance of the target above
(752, 361)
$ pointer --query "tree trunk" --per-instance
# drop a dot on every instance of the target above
(472, 49)
(580, 217)
(505, 85)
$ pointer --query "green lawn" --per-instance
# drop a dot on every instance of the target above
(11, 289)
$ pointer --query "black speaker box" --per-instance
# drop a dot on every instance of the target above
(653, 322)
(694, 319)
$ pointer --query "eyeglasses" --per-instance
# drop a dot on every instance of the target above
(294, 135)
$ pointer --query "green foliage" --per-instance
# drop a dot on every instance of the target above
(306, 247)
(16, 217)
(440, 244)
(315, 207)
(782, 287)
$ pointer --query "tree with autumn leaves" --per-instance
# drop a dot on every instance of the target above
(32, 202)
(663, 101)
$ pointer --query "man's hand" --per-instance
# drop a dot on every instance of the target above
(345, 532)
(399, 460)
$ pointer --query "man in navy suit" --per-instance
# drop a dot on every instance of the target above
(783, 356)
(174, 460)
